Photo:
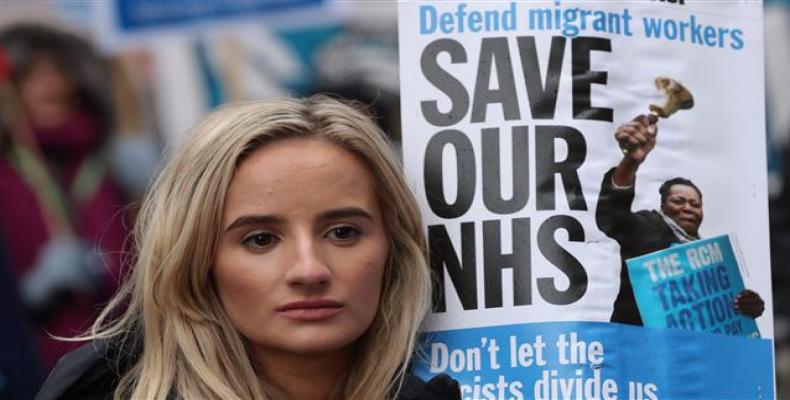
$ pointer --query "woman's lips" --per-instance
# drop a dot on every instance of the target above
(310, 310)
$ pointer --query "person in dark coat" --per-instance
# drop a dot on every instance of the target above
(20, 372)
(280, 254)
(93, 371)
(646, 231)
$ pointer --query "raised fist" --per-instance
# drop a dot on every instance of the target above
(637, 137)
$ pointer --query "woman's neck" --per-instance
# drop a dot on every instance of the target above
(304, 376)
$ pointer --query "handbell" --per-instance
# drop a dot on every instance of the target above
(677, 97)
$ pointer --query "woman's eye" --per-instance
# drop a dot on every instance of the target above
(260, 240)
(343, 233)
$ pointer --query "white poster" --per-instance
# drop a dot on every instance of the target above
(548, 143)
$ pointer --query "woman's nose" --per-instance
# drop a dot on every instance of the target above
(309, 267)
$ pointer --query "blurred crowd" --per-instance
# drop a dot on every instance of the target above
(84, 124)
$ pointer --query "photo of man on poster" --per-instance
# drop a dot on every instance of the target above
(646, 231)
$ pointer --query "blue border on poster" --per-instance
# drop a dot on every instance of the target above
(678, 364)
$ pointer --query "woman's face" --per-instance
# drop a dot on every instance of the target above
(301, 257)
(47, 93)
(684, 206)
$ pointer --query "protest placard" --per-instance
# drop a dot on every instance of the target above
(691, 286)
(532, 202)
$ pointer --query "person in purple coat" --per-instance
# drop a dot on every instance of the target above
(60, 204)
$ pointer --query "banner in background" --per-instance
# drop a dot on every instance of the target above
(129, 23)
(149, 14)
(509, 118)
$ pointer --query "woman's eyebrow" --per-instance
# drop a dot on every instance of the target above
(347, 212)
(344, 213)
(246, 220)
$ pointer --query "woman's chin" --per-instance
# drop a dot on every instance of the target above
(313, 342)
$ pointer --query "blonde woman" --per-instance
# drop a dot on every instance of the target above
(280, 255)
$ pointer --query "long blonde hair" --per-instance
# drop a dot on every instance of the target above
(189, 346)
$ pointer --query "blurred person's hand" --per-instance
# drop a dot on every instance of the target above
(65, 264)
(134, 160)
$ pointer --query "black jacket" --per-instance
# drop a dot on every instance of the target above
(92, 372)
(638, 233)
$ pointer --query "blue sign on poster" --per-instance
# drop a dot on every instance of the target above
(691, 286)
(137, 15)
